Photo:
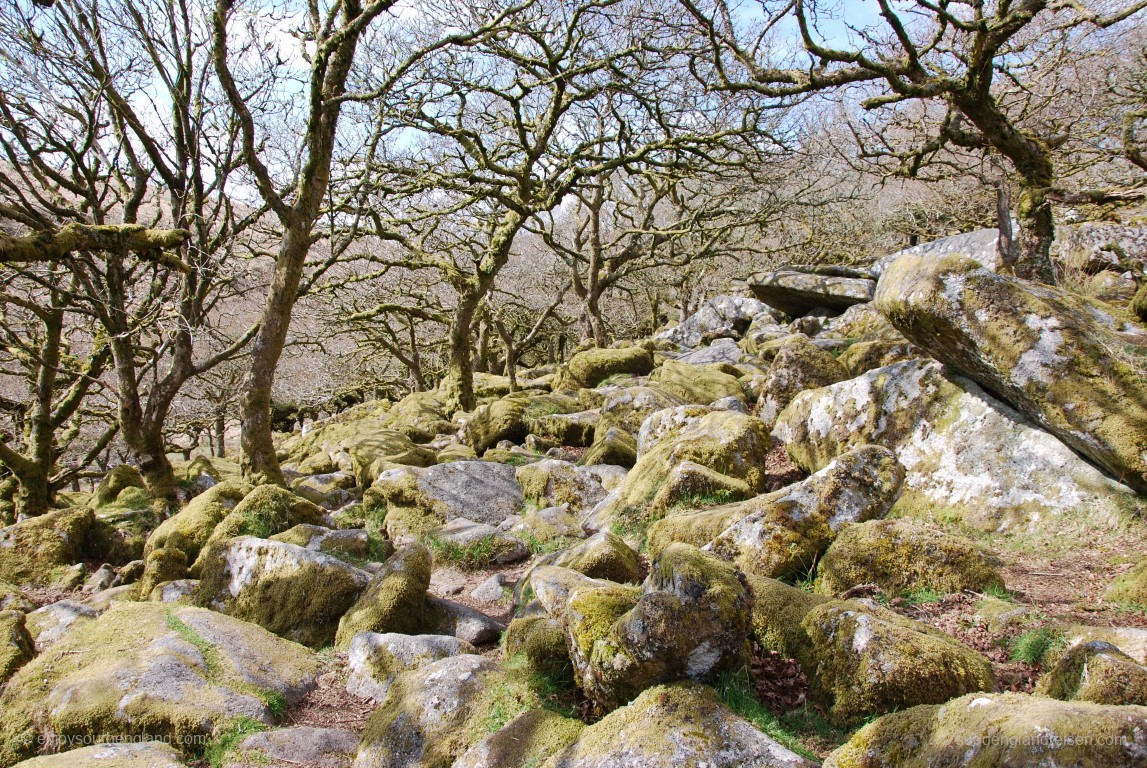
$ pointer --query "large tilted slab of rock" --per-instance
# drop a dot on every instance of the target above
(982, 246)
(1063, 360)
(684, 726)
(966, 454)
(295, 592)
(796, 293)
(150, 669)
(688, 622)
(720, 316)
(1002, 729)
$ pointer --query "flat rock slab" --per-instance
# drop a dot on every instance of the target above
(313, 747)
(144, 755)
(797, 293)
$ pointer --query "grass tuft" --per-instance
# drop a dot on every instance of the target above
(1033, 646)
(737, 691)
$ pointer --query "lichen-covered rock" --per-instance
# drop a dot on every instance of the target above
(419, 500)
(1129, 588)
(330, 490)
(116, 480)
(732, 444)
(426, 719)
(553, 587)
(604, 555)
(303, 745)
(550, 482)
(719, 317)
(374, 660)
(982, 246)
(294, 592)
(162, 565)
(33, 549)
(869, 660)
(16, 646)
(191, 527)
(684, 726)
(900, 557)
(151, 754)
(967, 455)
(612, 446)
(593, 366)
(395, 600)
(549, 524)
(796, 293)
(695, 383)
(1002, 729)
(786, 531)
(421, 415)
(524, 742)
(688, 623)
(691, 484)
(1097, 672)
(48, 624)
(724, 350)
(627, 407)
(799, 365)
(864, 356)
(153, 670)
(1064, 361)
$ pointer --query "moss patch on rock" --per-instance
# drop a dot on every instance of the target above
(191, 527)
(395, 600)
(32, 549)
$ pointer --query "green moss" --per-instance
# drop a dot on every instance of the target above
(117, 480)
(221, 750)
(696, 528)
(1130, 588)
(1097, 672)
(775, 617)
(541, 642)
(696, 384)
(191, 527)
(265, 511)
(16, 645)
(475, 555)
(594, 366)
(530, 739)
(161, 566)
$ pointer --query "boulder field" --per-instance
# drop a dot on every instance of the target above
(867, 517)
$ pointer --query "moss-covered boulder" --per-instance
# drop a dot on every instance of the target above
(161, 566)
(573, 429)
(1001, 729)
(1129, 589)
(1139, 303)
(509, 418)
(294, 592)
(34, 550)
(549, 524)
(434, 714)
(191, 527)
(967, 455)
(1097, 672)
(604, 555)
(264, 512)
(732, 444)
(12, 599)
(690, 485)
(683, 725)
(152, 670)
(869, 660)
(144, 755)
(690, 622)
(541, 641)
(1063, 360)
(420, 500)
(374, 660)
(476, 545)
(524, 742)
(551, 482)
(786, 531)
(776, 615)
(16, 646)
(114, 482)
(612, 446)
(900, 557)
(628, 407)
(395, 600)
(864, 356)
(593, 366)
(799, 365)
(695, 383)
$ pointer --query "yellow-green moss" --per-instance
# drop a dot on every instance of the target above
(1097, 672)
(697, 384)
(30, 550)
(190, 528)
(775, 617)
(541, 641)
(265, 511)
(161, 566)
(16, 646)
